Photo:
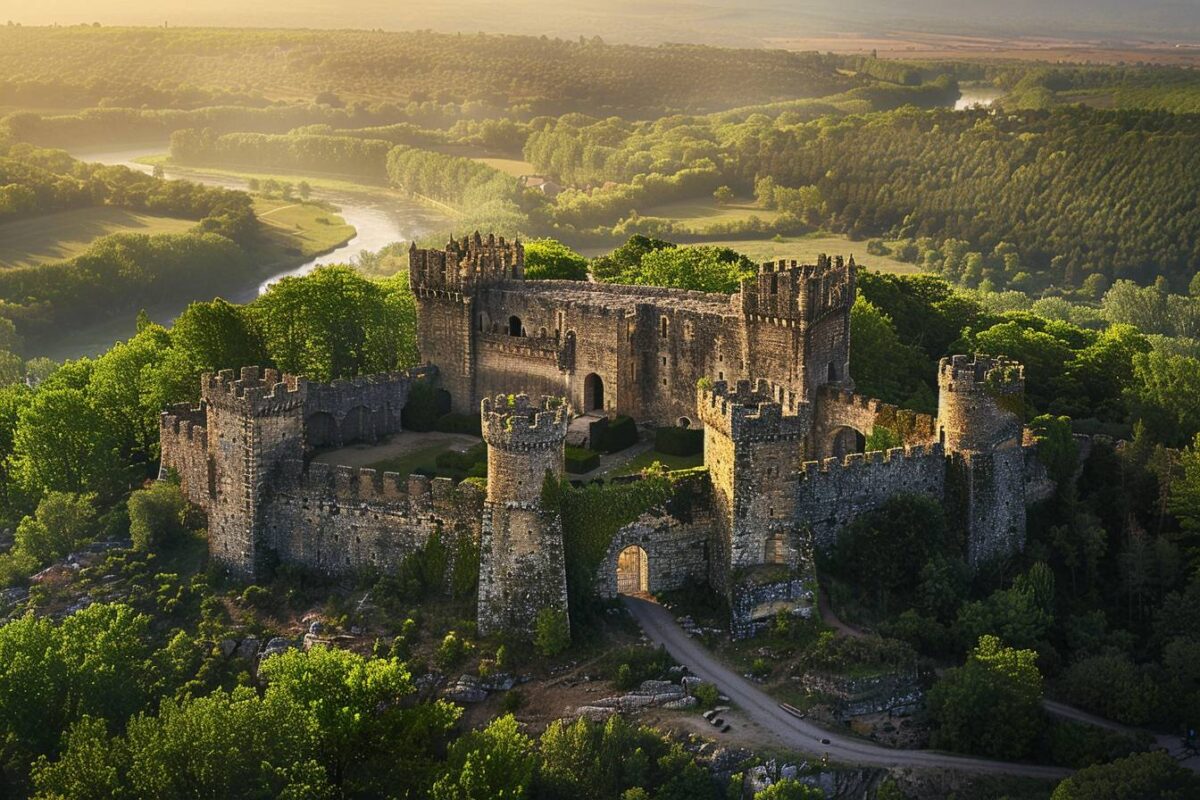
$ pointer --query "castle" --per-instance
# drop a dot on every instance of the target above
(765, 373)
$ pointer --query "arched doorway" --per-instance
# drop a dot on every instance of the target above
(593, 393)
(847, 440)
(514, 326)
(633, 571)
(320, 430)
(683, 422)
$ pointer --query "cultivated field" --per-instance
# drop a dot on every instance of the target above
(700, 213)
(66, 234)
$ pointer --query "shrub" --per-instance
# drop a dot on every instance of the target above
(255, 596)
(553, 631)
(451, 651)
(422, 411)
(580, 460)
(706, 695)
(675, 441)
(621, 433)
(470, 424)
(156, 516)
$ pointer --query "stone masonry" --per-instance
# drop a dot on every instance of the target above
(765, 372)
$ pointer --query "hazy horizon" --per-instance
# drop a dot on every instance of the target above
(733, 22)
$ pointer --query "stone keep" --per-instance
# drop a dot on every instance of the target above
(980, 410)
(522, 569)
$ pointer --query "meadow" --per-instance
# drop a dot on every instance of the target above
(62, 235)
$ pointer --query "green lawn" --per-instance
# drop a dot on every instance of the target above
(509, 166)
(806, 248)
(293, 230)
(640, 462)
(66, 234)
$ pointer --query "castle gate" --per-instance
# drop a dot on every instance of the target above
(320, 430)
(593, 393)
(845, 440)
(633, 571)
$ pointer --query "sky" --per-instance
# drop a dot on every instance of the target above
(735, 22)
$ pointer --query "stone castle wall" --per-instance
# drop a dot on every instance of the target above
(677, 552)
(832, 493)
(838, 409)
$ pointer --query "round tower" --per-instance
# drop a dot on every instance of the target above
(981, 423)
(981, 403)
(524, 442)
(522, 568)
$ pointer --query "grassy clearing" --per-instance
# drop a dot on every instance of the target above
(806, 249)
(509, 166)
(66, 234)
(644, 460)
(699, 213)
(293, 230)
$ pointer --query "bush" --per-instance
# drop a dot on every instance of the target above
(706, 695)
(675, 441)
(621, 433)
(470, 424)
(553, 631)
(423, 409)
(451, 651)
(636, 664)
(156, 516)
(580, 460)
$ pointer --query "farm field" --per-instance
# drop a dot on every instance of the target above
(509, 166)
(327, 181)
(66, 234)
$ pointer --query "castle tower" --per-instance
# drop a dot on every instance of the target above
(753, 447)
(981, 423)
(255, 422)
(798, 323)
(522, 569)
(444, 283)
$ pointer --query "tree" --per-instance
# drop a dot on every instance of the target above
(990, 706)
(304, 190)
(217, 335)
(723, 195)
(1142, 775)
(700, 268)
(548, 259)
(1114, 687)
(62, 523)
(62, 443)
(496, 762)
(553, 631)
(156, 516)
(790, 789)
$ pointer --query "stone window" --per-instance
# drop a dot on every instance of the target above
(775, 551)
(662, 328)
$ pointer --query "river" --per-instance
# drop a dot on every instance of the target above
(972, 96)
(379, 220)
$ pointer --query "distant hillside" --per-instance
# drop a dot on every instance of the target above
(731, 22)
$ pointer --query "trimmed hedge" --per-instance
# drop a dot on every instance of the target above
(679, 441)
(622, 432)
(470, 424)
(580, 460)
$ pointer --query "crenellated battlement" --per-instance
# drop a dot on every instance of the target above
(962, 373)
(355, 487)
(892, 459)
(748, 411)
(514, 422)
(788, 292)
(464, 264)
(840, 406)
(253, 391)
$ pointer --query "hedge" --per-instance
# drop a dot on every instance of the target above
(679, 441)
(580, 460)
(622, 432)
(470, 424)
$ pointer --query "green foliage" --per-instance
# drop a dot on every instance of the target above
(62, 523)
(886, 549)
(496, 762)
(218, 335)
(620, 433)
(63, 444)
(1143, 775)
(451, 652)
(579, 460)
(700, 268)
(157, 516)
(548, 259)
(1114, 687)
(675, 441)
(991, 705)
(790, 789)
(1056, 447)
(552, 631)
(423, 408)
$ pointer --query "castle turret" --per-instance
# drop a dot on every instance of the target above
(798, 322)
(445, 284)
(980, 422)
(255, 423)
(522, 569)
